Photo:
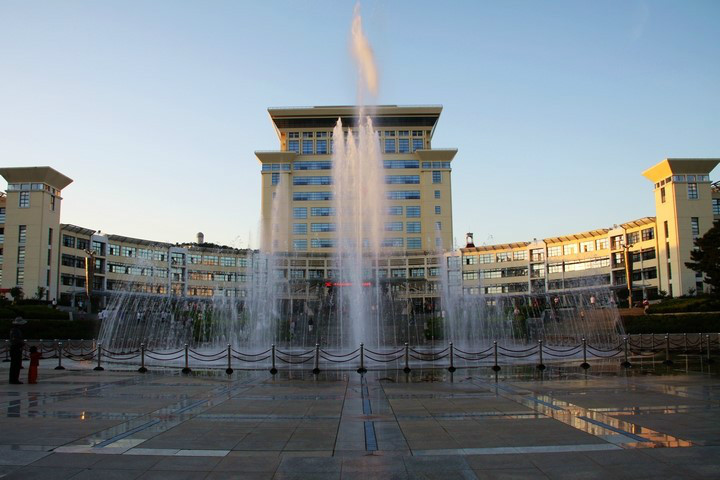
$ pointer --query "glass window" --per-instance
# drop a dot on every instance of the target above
(403, 195)
(24, 200)
(300, 244)
(412, 227)
(633, 238)
(417, 144)
(393, 242)
(307, 147)
(389, 145)
(311, 196)
(320, 180)
(438, 226)
(414, 243)
(695, 226)
(300, 212)
(662, 195)
(294, 146)
(402, 179)
(602, 244)
(322, 243)
(692, 191)
(555, 251)
(307, 135)
(322, 212)
(570, 249)
(394, 227)
(520, 255)
(275, 178)
(321, 147)
(437, 210)
(437, 193)
(322, 227)
(322, 165)
(299, 228)
(417, 272)
(395, 210)
(648, 234)
(412, 211)
(436, 177)
(82, 244)
(404, 145)
(392, 164)
(716, 206)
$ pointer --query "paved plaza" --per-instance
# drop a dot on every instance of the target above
(650, 422)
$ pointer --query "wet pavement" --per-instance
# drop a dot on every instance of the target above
(650, 421)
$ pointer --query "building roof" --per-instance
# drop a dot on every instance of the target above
(46, 175)
(671, 166)
(381, 115)
(638, 223)
(577, 236)
(67, 227)
(501, 246)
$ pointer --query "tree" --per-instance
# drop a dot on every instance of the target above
(40, 293)
(706, 257)
(16, 293)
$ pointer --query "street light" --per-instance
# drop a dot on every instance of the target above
(89, 276)
(628, 271)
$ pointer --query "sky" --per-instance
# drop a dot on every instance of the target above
(155, 108)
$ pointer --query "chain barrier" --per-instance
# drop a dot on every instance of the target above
(638, 346)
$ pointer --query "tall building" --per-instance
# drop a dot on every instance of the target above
(31, 248)
(297, 208)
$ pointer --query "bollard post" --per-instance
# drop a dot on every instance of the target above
(316, 370)
(452, 368)
(585, 365)
(407, 359)
(496, 367)
(273, 370)
(229, 369)
(59, 352)
(626, 362)
(99, 368)
(187, 369)
(707, 345)
(362, 368)
(541, 365)
(142, 368)
(7, 351)
(667, 350)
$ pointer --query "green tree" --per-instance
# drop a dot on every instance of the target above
(16, 293)
(706, 257)
(40, 293)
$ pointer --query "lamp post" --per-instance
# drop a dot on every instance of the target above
(89, 277)
(628, 271)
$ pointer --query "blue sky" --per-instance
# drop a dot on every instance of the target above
(155, 108)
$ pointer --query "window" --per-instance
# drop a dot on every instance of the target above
(402, 179)
(395, 210)
(397, 164)
(692, 191)
(587, 246)
(275, 178)
(520, 255)
(227, 261)
(633, 238)
(322, 227)
(412, 227)
(294, 146)
(300, 244)
(20, 276)
(417, 144)
(24, 201)
(322, 243)
(52, 202)
(322, 212)
(437, 210)
(321, 180)
(537, 255)
(323, 165)
(648, 234)
(127, 251)
(570, 249)
(667, 232)
(307, 147)
(21, 255)
(82, 244)
(695, 226)
(554, 251)
(210, 260)
(398, 273)
(662, 195)
(114, 249)
(394, 227)
(418, 272)
(504, 257)
(300, 212)
(437, 177)
(389, 145)
(437, 194)
(299, 228)
(2, 214)
(98, 248)
(602, 244)
(404, 145)
(715, 206)
(412, 211)
(470, 275)
(321, 147)
(22, 233)
(438, 226)
(403, 195)
(311, 196)
(414, 243)
(393, 242)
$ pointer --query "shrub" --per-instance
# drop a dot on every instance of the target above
(686, 323)
(51, 329)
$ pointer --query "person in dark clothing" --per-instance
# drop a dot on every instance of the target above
(16, 350)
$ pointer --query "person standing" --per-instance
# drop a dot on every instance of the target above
(16, 348)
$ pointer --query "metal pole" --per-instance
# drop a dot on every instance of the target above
(452, 368)
(229, 369)
(585, 365)
(187, 369)
(142, 368)
(99, 368)
(496, 367)
(273, 370)
(626, 362)
(541, 365)
(362, 368)
(407, 359)
(667, 350)
(316, 370)
(59, 352)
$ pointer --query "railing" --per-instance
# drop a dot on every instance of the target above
(627, 348)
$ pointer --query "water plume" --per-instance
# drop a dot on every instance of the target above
(363, 54)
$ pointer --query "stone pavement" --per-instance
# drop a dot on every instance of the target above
(562, 423)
